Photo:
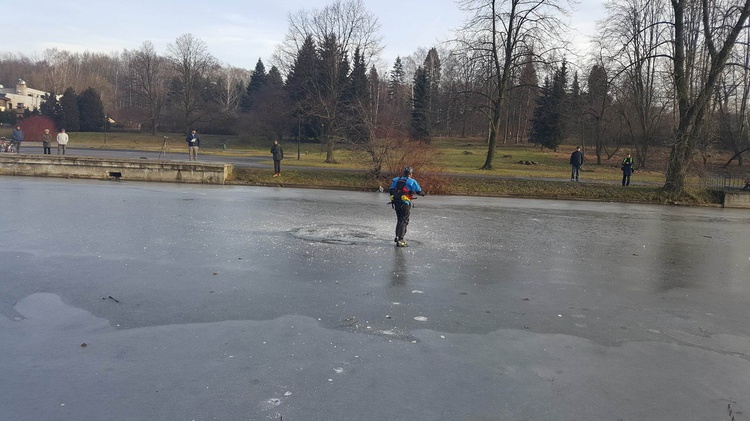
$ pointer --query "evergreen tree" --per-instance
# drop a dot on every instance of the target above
(51, 108)
(358, 89)
(548, 120)
(432, 69)
(90, 110)
(597, 103)
(331, 84)
(357, 100)
(545, 124)
(258, 80)
(274, 78)
(70, 120)
(420, 125)
(300, 87)
(396, 82)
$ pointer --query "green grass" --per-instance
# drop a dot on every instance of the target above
(456, 164)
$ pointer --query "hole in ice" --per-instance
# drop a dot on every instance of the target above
(341, 234)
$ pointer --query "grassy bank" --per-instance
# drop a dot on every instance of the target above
(471, 186)
(453, 167)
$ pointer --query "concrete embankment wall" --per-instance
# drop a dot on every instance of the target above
(107, 168)
(737, 199)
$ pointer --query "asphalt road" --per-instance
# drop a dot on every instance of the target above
(133, 301)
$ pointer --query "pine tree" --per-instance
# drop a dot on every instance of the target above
(258, 80)
(420, 124)
(300, 87)
(396, 82)
(432, 69)
(91, 111)
(357, 101)
(52, 109)
(70, 116)
(546, 122)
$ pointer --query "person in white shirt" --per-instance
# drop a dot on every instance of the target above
(62, 141)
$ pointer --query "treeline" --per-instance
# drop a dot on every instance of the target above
(662, 73)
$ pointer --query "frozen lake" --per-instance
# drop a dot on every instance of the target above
(242, 303)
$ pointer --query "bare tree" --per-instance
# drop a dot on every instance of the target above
(503, 32)
(720, 25)
(64, 70)
(348, 21)
(149, 76)
(337, 31)
(632, 39)
(191, 63)
(232, 82)
(733, 99)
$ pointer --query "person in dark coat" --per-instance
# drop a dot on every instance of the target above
(576, 162)
(627, 169)
(194, 143)
(278, 155)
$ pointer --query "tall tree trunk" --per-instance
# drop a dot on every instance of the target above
(494, 126)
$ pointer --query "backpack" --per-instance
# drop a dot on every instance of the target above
(400, 190)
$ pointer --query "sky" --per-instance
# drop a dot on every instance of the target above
(236, 32)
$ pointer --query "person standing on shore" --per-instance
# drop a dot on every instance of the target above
(576, 162)
(46, 140)
(17, 137)
(62, 141)
(194, 143)
(627, 169)
(278, 155)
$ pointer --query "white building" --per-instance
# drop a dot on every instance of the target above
(20, 98)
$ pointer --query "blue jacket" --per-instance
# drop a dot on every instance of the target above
(412, 187)
(17, 135)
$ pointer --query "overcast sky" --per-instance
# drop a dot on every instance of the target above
(237, 32)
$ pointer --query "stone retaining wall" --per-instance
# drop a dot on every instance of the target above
(739, 199)
(108, 168)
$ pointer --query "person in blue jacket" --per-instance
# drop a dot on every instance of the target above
(17, 137)
(402, 191)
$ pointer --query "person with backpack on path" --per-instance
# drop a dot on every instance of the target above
(402, 192)
(627, 169)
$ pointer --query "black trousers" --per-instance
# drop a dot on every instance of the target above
(625, 179)
(47, 150)
(277, 166)
(403, 210)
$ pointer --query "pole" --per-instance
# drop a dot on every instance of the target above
(298, 136)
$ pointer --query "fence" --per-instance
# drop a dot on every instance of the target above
(725, 181)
